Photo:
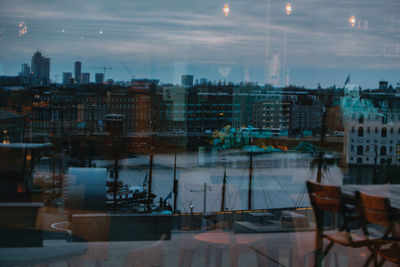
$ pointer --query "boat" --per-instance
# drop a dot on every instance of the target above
(134, 198)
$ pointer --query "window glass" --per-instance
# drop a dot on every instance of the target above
(176, 133)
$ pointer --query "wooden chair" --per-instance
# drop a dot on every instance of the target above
(327, 199)
(376, 211)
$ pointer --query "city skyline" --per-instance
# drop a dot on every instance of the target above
(314, 44)
(99, 76)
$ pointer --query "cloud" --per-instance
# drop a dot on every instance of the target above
(316, 35)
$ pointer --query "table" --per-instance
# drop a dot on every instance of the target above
(51, 251)
(235, 242)
(390, 191)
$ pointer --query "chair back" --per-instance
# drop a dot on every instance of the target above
(325, 197)
(374, 209)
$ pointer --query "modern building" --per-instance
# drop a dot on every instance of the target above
(85, 78)
(25, 73)
(272, 112)
(208, 109)
(306, 115)
(99, 77)
(78, 71)
(40, 69)
(175, 99)
(25, 70)
(203, 81)
(67, 78)
(187, 81)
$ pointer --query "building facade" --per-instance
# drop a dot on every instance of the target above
(372, 129)
(40, 67)
(78, 72)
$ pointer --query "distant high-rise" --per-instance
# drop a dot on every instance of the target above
(25, 73)
(203, 81)
(40, 69)
(99, 77)
(85, 78)
(187, 80)
(78, 71)
(67, 78)
(25, 70)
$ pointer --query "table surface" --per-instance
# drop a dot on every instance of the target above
(224, 238)
(390, 191)
(51, 251)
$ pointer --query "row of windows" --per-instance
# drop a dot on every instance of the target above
(379, 117)
(382, 161)
(383, 131)
(383, 149)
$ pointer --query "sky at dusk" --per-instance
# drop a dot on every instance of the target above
(257, 41)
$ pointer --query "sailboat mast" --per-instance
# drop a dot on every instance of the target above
(320, 153)
(149, 202)
(223, 191)
(175, 188)
(250, 177)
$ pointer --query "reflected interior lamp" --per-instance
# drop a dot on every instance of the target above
(226, 10)
(288, 8)
(352, 21)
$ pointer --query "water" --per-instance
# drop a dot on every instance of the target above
(278, 178)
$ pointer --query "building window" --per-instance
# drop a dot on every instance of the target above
(359, 160)
(367, 149)
(352, 148)
(384, 132)
(360, 150)
(391, 130)
(376, 130)
(352, 129)
(360, 131)
(368, 129)
(383, 150)
(361, 119)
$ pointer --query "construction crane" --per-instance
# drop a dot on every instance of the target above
(126, 68)
(104, 69)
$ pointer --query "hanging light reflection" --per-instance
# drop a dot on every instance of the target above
(288, 8)
(352, 21)
(226, 9)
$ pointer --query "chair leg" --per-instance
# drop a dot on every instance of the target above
(381, 262)
(207, 257)
(328, 248)
(336, 259)
(233, 255)
(318, 257)
(218, 257)
(370, 258)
